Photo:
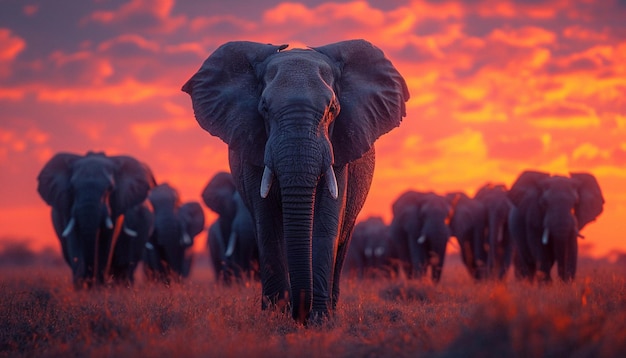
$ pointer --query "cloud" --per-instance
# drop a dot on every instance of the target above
(528, 36)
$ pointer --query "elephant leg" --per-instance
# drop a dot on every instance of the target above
(358, 182)
(325, 243)
(566, 257)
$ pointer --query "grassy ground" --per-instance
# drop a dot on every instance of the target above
(41, 315)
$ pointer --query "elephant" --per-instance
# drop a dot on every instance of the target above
(231, 240)
(420, 230)
(168, 255)
(546, 219)
(467, 224)
(98, 213)
(371, 252)
(300, 125)
(497, 240)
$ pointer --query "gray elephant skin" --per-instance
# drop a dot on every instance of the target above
(372, 253)
(467, 224)
(421, 232)
(231, 240)
(545, 223)
(168, 255)
(300, 126)
(99, 213)
(497, 242)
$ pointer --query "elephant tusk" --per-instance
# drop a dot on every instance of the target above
(580, 236)
(109, 222)
(149, 246)
(331, 181)
(70, 226)
(266, 181)
(544, 237)
(421, 239)
(231, 244)
(130, 232)
(186, 239)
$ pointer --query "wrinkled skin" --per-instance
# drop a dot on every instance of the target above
(300, 126)
(497, 240)
(91, 196)
(168, 255)
(231, 240)
(545, 223)
(467, 224)
(420, 231)
(371, 252)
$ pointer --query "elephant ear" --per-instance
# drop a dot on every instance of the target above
(527, 181)
(225, 95)
(372, 96)
(192, 217)
(211, 193)
(590, 199)
(133, 181)
(53, 182)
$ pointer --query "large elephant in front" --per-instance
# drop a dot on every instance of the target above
(300, 125)
(545, 223)
(421, 232)
(231, 240)
(467, 224)
(371, 253)
(168, 255)
(497, 240)
(98, 213)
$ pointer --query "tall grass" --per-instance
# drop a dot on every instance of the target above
(41, 315)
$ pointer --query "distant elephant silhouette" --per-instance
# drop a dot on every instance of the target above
(231, 240)
(300, 125)
(372, 253)
(420, 231)
(467, 224)
(497, 239)
(168, 255)
(98, 213)
(545, 223)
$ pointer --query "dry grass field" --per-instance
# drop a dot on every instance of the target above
(42, 316)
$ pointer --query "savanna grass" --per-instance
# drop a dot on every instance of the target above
(41, 315)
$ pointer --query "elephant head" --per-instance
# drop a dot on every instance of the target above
(87, 195)
(176, 225)
(555, 209)
(301, 116)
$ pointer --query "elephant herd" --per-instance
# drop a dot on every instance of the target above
(300, 125)
(110, 214)
(532, 226)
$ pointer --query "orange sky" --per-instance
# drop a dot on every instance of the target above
(496, 87)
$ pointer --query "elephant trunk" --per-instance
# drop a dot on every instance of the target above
(83, 237)
(494, 239)
(560, 229)
(298, 230)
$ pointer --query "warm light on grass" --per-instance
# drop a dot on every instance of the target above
(43, 316)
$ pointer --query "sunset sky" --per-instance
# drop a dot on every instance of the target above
(497, 87)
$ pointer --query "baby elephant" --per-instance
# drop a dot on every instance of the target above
(168, 252)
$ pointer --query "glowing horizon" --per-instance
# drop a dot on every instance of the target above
(496, 88)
